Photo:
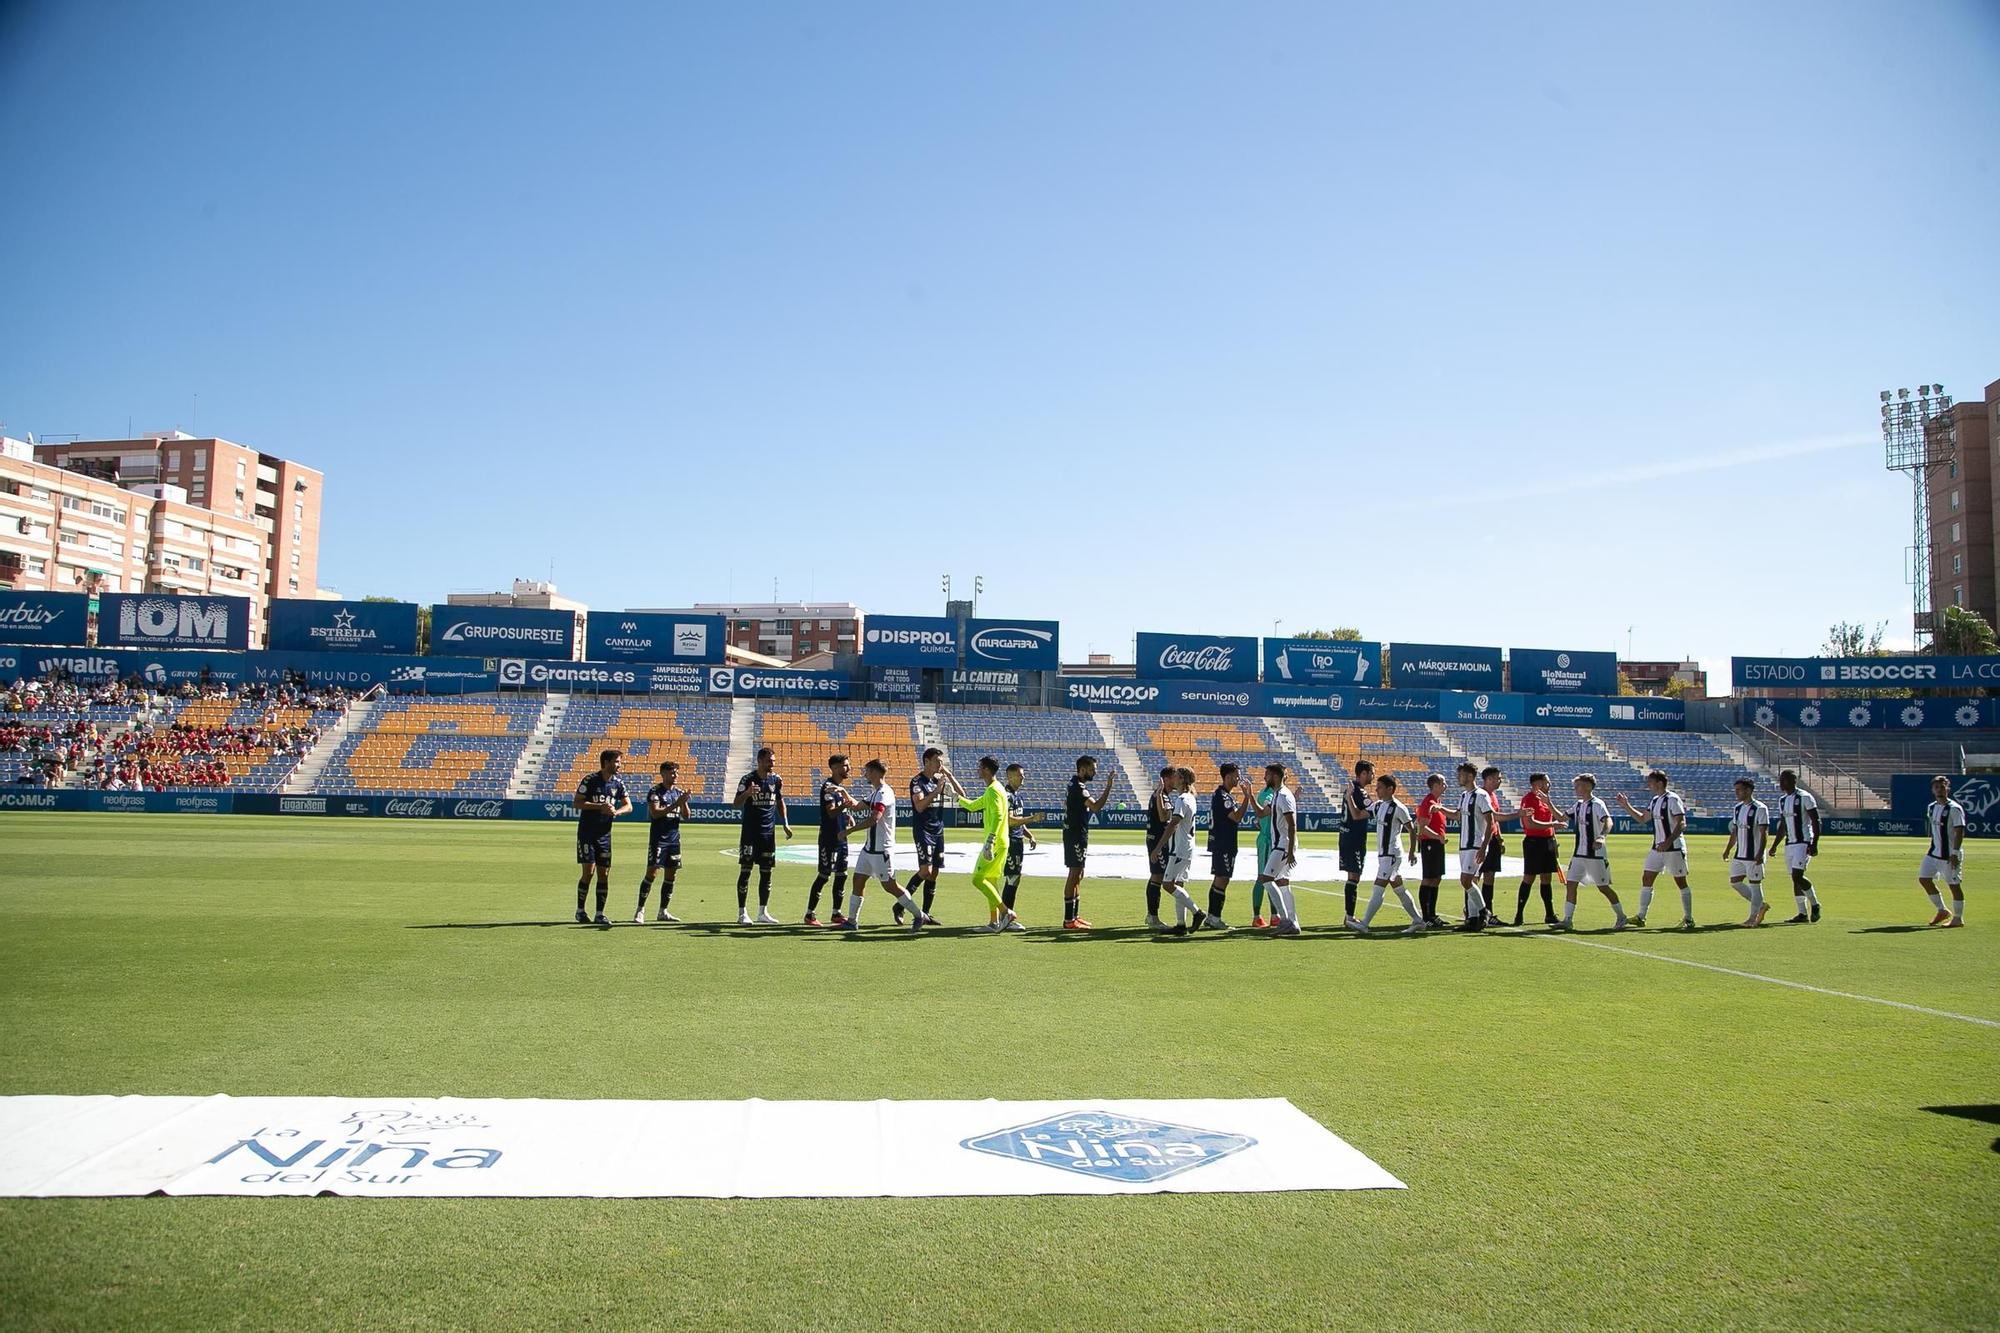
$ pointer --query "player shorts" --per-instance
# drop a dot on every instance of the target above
(1222, 861)
(875, 865)
(1538, 856)
(757, 849)
(593, 850)
(1076, 847)
(1017, 853)
(1589, 870)
(664, 853)
(1746, 868)
(1353, 849)
(1431, 856)
(1468, 861)
(1156, 852)
(1673, 863)
(1496, 852)
(1797, 856)
(1175, 869)
(930, 849)
(832, 857)
(1275, 866)
(1936, 868)
(1388, 866)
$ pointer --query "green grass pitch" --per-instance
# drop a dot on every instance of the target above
(1590, 1137)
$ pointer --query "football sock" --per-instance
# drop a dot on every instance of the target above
(1803, 901)
(1183, 906)
(1475, 904)
(1403, 897)
(839, 890)
(1374, 906)
(1687, 904)
(1353, 886)
(1742, 890)
(1645, 901)
(582, 891)
(1427, 897)
(1152, 898)
(645, 889)
(763, 887)
(1937, 899)
(1569, 911)
(1521, 904)
(1072, 906)
(812, 896)
(1957, 905)
(742, 889)
(603, 892)
(1756, 899)
(1812, 894)
(854, 907)
(1548, 898)
(1257, 898)
(1215, 899)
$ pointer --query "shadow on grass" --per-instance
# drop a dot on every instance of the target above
(1984, 1115)
(1893, 930)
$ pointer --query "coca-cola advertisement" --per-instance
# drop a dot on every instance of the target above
(1204, 656)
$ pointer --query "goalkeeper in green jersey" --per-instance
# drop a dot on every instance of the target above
(1261, 804)
(990, 864)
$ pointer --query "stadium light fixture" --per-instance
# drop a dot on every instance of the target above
(1919, 437)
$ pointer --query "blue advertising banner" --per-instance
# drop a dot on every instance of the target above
(1206, 656)
(1910, 798)
(778, 683)
(1331, 662)
(1026, 645)
(1462, 706)
(306, 625)
(162, 620)
(1950, 714)
(1561, 671)
(895, 685)
(1096, 694)
(1443, 666)
(910, 641)
(1279, 700)
(1631, 712)
(503, 631)
(1822, 673)
(401, 675)
(648, 636)
(44, 617)
(987, 686)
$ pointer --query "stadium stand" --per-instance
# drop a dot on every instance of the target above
(804, 734)
(1204, 744)
(429, 747)
(693, 733)
(1408, 750)
(1045, 743)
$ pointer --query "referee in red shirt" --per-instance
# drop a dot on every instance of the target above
(1539, 822)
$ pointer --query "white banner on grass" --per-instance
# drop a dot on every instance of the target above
(451, 1146)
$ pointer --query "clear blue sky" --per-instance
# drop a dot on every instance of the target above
(1420, 318)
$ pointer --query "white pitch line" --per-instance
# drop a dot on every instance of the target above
(1737, 972)
(1774, 981)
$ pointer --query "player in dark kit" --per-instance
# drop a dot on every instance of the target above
(1078, 806)
(1227, 805)
(1158, 810)
(600, 799)
(1354, 824)
(927, 793)
(666, 807)
(761, 798)
(1019, 840)
(834, 804)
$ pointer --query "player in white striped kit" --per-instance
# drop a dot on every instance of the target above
(1749, 843)
(1589, 859)
(1667, 814)
(1393, 822)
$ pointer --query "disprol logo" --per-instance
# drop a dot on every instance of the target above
(476, 810)
(405, 807)
(942, 639)
(1213, 658)
(1111, 1147)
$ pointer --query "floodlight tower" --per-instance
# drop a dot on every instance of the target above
(1919, 437)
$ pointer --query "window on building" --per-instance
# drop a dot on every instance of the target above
(195, 563)
(1958, 595)
(173, 460)
(1954, 498)
(294, 583)
(240, 472)
(200, 462)
(1957, 564)
(781, 627)
(826, 624)
(1954, 471)
(295, 565)
(1954, 531)
(72, 502)
(36, 564)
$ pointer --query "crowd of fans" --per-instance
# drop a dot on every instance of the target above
(152, 755)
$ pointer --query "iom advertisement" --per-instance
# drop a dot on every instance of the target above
(503, 631)
(1443, 666)
(1873, 714)
(162, 620)
(1822, 673)
(1024, 645)
(1910, 798)
(648, 636)
(1203, 656)
(1323, 661)
(1560, 671)
(44, 617)
(910, 641)
(306, 625)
